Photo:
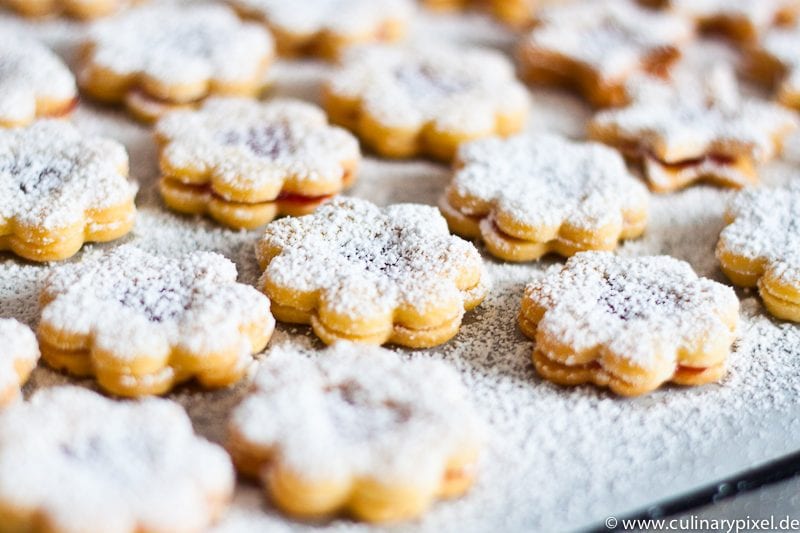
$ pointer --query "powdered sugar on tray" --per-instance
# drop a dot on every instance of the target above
(556, 458)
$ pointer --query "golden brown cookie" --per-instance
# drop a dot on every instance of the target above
(760, 246)
(407, 102)
(73, 461)
(34, 82)
(628, 323)
(596, 47)
(362, 273)
(142, 323)
(59, 189)
(244, 162)
(328, 27)
(358, 430)
(529, 195)
(160, 58)
(695, 130)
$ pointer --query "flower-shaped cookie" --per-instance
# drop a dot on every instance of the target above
(740, 20)
(59, 189)
(404, 102)
(695, 129)
(359, 272)
(775, 61)
(358, 429)
(72, 460)
(327, 27)
(529, 195)
(244, 162)
(629, 323)
(34, 82)
(142, 323)
(80, 9)
(164, 57)
(17, 359)
(761, 246)
(595, 47)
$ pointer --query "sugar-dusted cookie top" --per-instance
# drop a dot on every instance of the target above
(692, 119)
(59, 188)
(34, 82)
(329, 23)
(763, 230)
(164, 56)
(404, 101)
(147, 314)
(253, 151)
(358, 415)
(546, 181)
(18, 357)
(776, 60)
(358, 269)
(613, 38)
(72, 460)
(639, 319)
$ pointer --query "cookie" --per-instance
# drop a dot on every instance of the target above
(59, 189)
(165, 57)
(17, 359)
(740, 20)
(529, 195)
(628, 323)
(406, 102)
(362, 273)
(245, 162)
(775, 61)
(72, 460)
(34, 82)
(80, 9)
(142, 323)
(357, 430)
(596, 47)
(695, 130)
(326, 28)
(759, 247)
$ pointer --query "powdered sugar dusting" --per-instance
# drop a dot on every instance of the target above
(355, 411)
(461, 90)
(89, 463)
(340, 17)
(544, 180)
(266, 142)
(613, 37)
(131, 302)
(369, 259)
(178, 45)
(51, 175)
(760, 13)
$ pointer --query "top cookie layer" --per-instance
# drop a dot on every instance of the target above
(545, 181)
(612, 37)
(51, 176)
(33, 82)
(76, 461)
(454, 90)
